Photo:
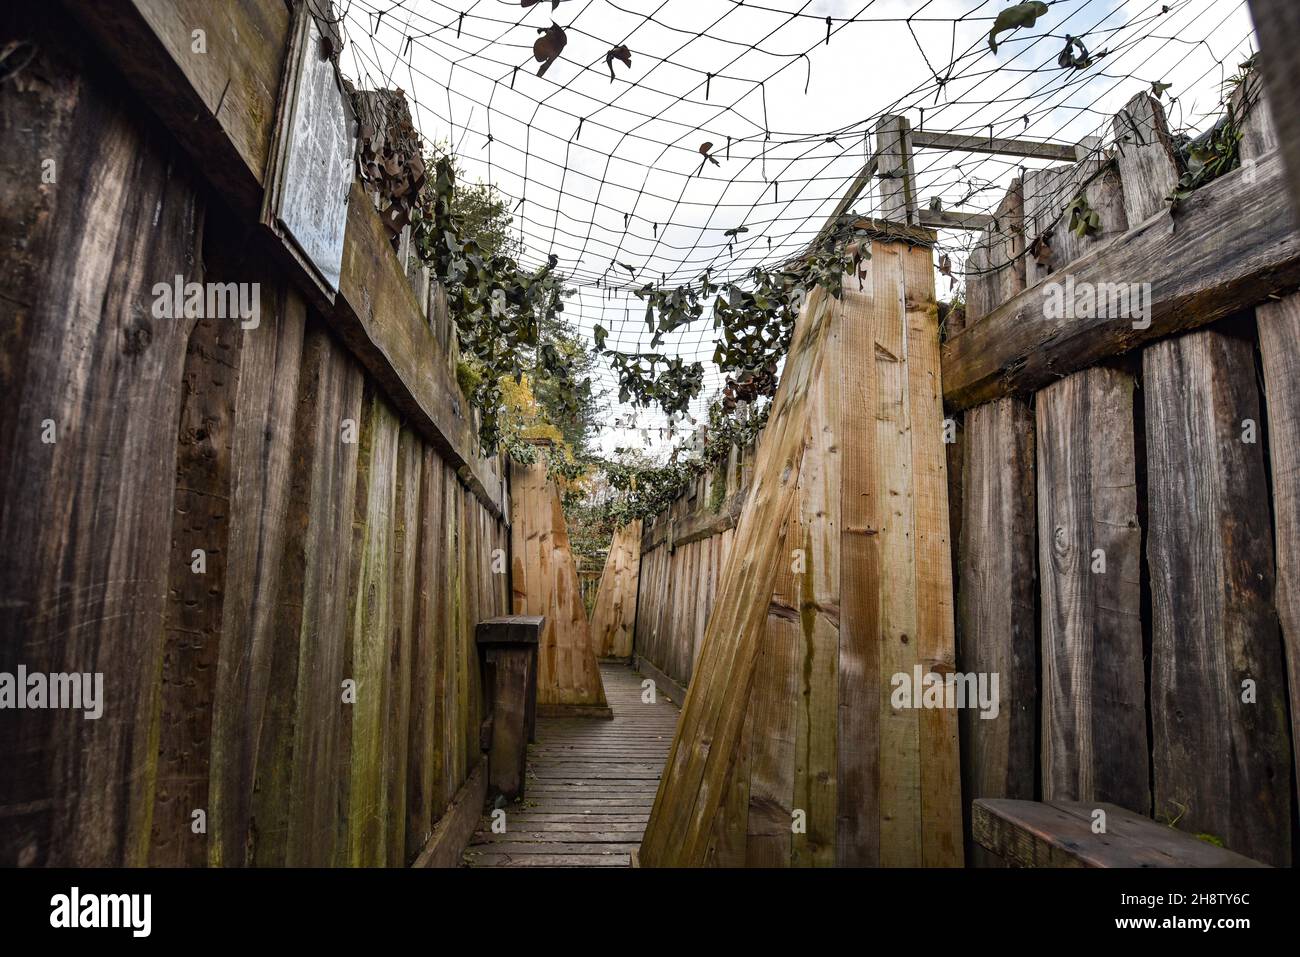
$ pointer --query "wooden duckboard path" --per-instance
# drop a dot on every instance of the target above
(590, 785)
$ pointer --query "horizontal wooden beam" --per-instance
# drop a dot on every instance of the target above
(955, 219)
(221, 108)
(927, 139)
(1230, 245)
(451, 835)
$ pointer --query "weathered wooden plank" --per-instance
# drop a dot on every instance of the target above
(425, 796)
(995, 269)
(84, 562)
(1094, 742)
(451, 835)
(996, 145)
(1060, 834)
(1279, 331)
(895, 173)
(1217, 689)
(265, 414)
(193, 619)
(997, 598)
(406, 605)
(320, 725)
(1277, 24)
(1233, 244)
(1144, 153)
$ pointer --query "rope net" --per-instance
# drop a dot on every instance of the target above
(602, 150)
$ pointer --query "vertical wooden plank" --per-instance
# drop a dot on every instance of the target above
(1221, 763)
(193, 617)
(1144, 153)
(83, 554)
(1279, 331)
(1094, 744)
(900, 760)
(320, 722)
(861, 519)
(895, 173)
(371, 632)
(426, 795)
(940, 776)
(997, 600)
(815, 531)
(406, 606)
(266, 407)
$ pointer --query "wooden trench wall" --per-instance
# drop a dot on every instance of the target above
(1124, 525)
(1127, 495)
(228, 524)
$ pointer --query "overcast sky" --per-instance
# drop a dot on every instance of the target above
(607, 173)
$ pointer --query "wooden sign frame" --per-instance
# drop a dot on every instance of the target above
(307, 170)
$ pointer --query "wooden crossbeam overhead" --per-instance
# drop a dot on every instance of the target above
(955, 219)
(1000, 146)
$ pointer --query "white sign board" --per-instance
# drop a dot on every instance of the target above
(315, 173)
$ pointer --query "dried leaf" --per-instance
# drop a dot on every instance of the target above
(705, 151)
(618, 53)
(1021, 15)
(1158, 89)
(1041, 249)
(547, 47)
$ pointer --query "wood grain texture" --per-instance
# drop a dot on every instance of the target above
(997, 599)
(1220, 762)
(265, 411)
(1232, 245)
(86, 546)
(1060, 834)
(1279, 331)
(1094, 740)
(613, 619)
(1144, 153)
(545, 582)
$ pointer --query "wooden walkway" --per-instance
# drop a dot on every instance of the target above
(590, 785)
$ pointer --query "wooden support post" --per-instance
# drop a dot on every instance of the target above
(508, 649)
(895, 171)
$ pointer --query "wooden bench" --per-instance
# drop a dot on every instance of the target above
(1060, 834)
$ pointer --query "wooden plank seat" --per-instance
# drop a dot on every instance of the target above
(1060, 834)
